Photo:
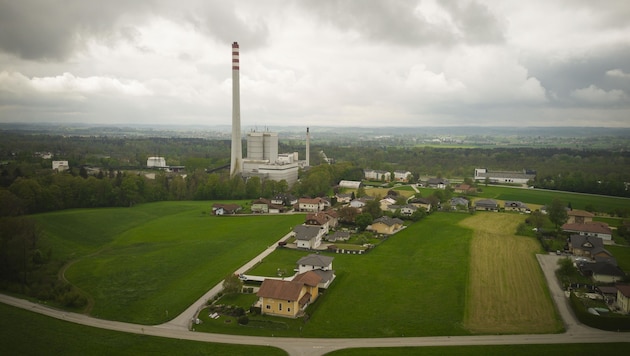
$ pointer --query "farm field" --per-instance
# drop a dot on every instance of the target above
(507, 292)
(28, 333)
(149, 271)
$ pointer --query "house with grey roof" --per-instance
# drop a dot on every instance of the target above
(309, 237)
(520, 177)
(487, 205)
(320, 264)
(510, 205)
(459, 203)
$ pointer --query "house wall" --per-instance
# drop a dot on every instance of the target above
(286, 308)
(602, 278)
(383, 229)
(623, 302)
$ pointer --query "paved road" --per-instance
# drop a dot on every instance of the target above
(177, 328)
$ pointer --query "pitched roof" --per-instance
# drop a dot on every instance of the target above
(388, 221)
(593, 227)
(309, 200)
(580, 213)
(487, 202)
(315, 260)
(280, 289)
(583, 242)
(624, 289)
(305, 232)
(319, 218)
(603, 268)
(309, 278)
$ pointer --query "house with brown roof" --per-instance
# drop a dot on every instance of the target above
(593, 228)
(386, 225)
(464, 189)
(313, 205)
(623, 297)
(421, 203)
(288, 298)
(579, 217)
(318, 219)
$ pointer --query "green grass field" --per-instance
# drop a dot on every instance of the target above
(28, 333)
(146, 264)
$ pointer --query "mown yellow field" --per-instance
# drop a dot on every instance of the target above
(507, 291)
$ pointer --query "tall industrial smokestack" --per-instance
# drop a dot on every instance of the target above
(236, 162)
(308, 148)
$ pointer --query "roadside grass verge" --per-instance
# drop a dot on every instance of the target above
(152, 270)
(28, 333)
(507, 292)
(622, 255)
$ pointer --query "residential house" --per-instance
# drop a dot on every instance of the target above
(421, 203)
(602, 272)
(371, 174)
(623, 297)
(464, 189)
(487, 205)
(260, 206)
(318, 219)
(439, 183)
(60, 166)
(509, 205)
(587, 246)
(406, 210)
(522, 177)
(357, 203)
(288, 298)
(309, 237)
(225, 209)
(593, 228)
(333, 218)
(579, 217)
(352, 184)
(343, 198)
(386, 202)
(308, 204)
(402, 176)
(386, 225)
(284, 199)
(320, 264)
(459, 203)
(338, 236)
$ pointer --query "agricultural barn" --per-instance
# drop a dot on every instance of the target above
(159, 162)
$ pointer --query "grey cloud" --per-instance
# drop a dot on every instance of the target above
(397, 21)
(55, 29)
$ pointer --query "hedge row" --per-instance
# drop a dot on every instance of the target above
(605, 322)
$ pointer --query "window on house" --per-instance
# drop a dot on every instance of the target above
(268, 306)
(289, 310)
(280, 306)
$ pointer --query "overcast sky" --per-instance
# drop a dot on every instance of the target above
(317, 63)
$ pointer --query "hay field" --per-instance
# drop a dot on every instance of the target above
(507, 291)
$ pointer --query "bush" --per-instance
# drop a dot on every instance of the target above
(243, 320)
(611, 322)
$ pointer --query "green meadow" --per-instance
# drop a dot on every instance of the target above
(412, 284)
(147, 263)
(28, 333)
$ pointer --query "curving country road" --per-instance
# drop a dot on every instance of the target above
(178, 327)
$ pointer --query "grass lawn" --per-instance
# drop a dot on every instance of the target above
(161, 258)
(27, 333)
(513, 350)
(507, 291)
(282, 259)
(622, 255)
